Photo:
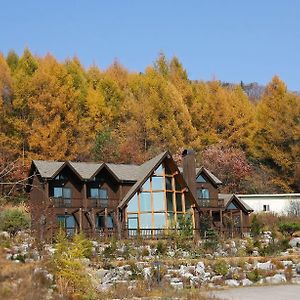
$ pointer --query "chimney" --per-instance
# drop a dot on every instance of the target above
(189, 170)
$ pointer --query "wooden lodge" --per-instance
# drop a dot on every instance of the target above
(103, 199)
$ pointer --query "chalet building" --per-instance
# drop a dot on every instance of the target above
(129, 200)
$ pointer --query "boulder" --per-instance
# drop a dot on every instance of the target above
(276, 279)
(200, 268)
(287, 263)
(147, 273)
(264, 266)
(4, 235)
(176, 283)
(232, 282)
(297, 268)
(246, 282)
(295, 242)
(295, 280)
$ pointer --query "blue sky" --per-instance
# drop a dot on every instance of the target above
(229, 40)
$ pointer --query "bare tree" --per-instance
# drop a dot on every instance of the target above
(293, 208)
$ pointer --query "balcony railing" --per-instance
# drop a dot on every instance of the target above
(97, 202)
(60, 202)
(211, 202)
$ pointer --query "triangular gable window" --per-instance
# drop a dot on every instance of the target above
(201, 179)
(231, 206)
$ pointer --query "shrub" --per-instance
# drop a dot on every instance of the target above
(255, 227)
(221, 267)
(13, 220)
(254, 275)
(289, 227)
(68, 268)
(161, 248)
(212, 240)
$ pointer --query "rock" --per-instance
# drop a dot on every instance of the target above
(104, 287)
(295, 242)
(296, 234)
(232, 283)
(255, 253)
(297, 268)
(246, 282)
(287, 263)
(200, 268)
(295, 280)
(147, 273)
(171, 253)
(217, 278)
(186, 271)
(264, 266)
(176, 283)
(101, 273)
(276, 279)
(4, 235)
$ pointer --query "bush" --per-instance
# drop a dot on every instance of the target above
(212, 240)
(221, 267)
(255, 227)
(13, 220)
(289, 227)
(161, 248)
(68, 268)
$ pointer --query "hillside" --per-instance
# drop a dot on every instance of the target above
(61, 110)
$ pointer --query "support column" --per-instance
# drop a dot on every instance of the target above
(105, 222)
(241, 222)
(80, 219)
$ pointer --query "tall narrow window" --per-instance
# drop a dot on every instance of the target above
(67, 222)
(203, 193)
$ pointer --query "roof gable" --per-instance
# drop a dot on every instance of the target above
(232, 198)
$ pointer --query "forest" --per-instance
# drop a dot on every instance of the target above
(64, 111)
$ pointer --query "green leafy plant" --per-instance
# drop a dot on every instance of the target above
(221, 267)
(13, 220)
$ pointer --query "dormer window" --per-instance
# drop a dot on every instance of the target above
(201, 179)
(61, 176)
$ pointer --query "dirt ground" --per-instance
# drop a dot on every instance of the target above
(278, 292)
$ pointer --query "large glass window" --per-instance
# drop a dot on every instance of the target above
(133, 204)
(145, 201)
(157, 183)
(146, 220)
(158, 201)
(159, 220)
(100, 222)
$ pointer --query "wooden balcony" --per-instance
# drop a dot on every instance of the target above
(97, 202)
(67, 202)
(211, 203)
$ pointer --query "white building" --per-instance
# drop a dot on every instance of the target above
(277, 203)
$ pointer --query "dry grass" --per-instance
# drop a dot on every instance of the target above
(18, 281)
(160, 292)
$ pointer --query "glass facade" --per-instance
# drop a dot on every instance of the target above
(160, 203)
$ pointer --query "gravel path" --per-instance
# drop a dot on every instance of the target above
(277, 292)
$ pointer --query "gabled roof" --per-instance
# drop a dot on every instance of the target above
(144, 172)
(47, 168)
(86, 169)
(209, 174)
(125, 172)
(228, 198)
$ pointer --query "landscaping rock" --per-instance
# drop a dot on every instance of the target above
(295, 242)
(232, 282)
(265, 266)
(276, 279)
(246, 282)
(4, 234)
(176, 283)
(297, 268)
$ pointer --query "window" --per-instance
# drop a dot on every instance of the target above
(61, 176)
(98, 193)
(203, 193)
(68, 223)
(100, 222)
(63, 196)
(231, 206)
(159, 202)
(201, 179)
(62, 192)
(266, 207)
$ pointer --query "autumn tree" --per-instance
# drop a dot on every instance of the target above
(277, 139)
